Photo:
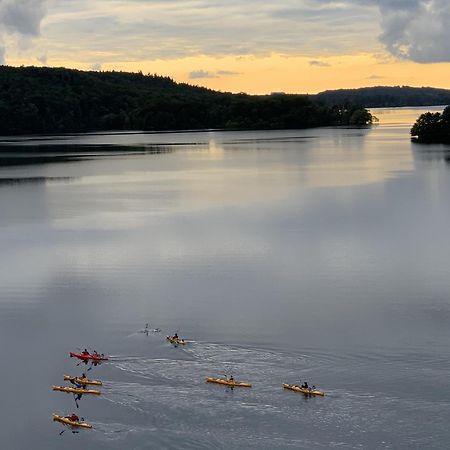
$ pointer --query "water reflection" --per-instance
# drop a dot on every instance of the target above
(315, 254)
(28, 153)
(432, 152)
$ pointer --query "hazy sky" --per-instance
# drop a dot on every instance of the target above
(253, 46)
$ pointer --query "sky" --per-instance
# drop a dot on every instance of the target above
(254, 46)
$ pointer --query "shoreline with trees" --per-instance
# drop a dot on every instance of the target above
(35, 100)
(432, 128)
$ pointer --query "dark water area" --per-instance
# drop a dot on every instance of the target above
(319, 255)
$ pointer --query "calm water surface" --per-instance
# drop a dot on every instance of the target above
(282, 256)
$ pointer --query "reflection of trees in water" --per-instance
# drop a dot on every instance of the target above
(33, 180)
(432, 152)
(38, 154)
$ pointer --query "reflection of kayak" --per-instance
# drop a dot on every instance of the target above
(293, 387)
(83, 380)
(176, 341)
(65, 421)
(72, 390)
(88, 357)
(227, 382)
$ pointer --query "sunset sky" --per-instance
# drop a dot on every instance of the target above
(253, 46)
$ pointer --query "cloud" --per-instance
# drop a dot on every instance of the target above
(42, 59)
(375, 77)
(96, 67)
(418, 30)
(111, 31)
(197, 74)
(21, 17)
(133, 30)
(227, 73)
(317, 63)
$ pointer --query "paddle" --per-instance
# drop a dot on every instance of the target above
(62, 432)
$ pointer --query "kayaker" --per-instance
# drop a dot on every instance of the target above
(85, 352)
(305, 385)
(73, 417)
(175, 336)
(313, 388)
(77, 384)
(231, 379)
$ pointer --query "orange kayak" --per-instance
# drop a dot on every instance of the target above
(300, 390)
(228, 382)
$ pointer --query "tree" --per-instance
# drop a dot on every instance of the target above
(433, 127)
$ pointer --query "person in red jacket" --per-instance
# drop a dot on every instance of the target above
(73, 417)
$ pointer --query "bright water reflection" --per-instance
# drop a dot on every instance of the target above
(314, 254)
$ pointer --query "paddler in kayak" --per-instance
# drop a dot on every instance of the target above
(73, 417)
(85, 352)
(304, 385)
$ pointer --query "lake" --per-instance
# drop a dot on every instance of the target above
(319, 255)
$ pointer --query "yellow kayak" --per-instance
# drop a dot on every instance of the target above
(84, 381)
(176, 341)
(227, 382)
(72, 390)
(66, 421)
(306, 391)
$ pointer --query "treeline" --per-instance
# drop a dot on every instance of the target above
(58, 100)
(433, 127)
(385, 96)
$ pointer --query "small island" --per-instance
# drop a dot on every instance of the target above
(432, 127)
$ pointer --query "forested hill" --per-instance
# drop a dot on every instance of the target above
(385, 96)
(52, 100)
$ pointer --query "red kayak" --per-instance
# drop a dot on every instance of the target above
(88, 357)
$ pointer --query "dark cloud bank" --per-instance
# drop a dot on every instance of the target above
(22, 17)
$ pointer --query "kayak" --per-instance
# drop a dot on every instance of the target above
(73, 390)
(228, 382)
(176, 341)
(66, 421)
(84, 381)
(88, 357)
(307, 391)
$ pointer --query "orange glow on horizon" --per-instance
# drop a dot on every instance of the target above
(278, 73)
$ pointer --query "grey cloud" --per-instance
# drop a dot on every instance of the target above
(135, 30)
(418, 30)
(42, 59)
(96, 67)
(227, 73)
(197, 74)
(420, 33)
(22, 17)
(318, 63)
(375, 77)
